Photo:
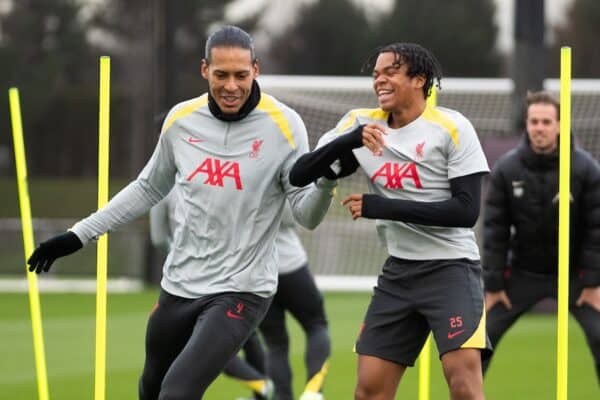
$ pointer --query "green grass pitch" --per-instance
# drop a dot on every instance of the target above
(524, 368)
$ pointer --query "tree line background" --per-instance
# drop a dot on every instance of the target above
(49, 49)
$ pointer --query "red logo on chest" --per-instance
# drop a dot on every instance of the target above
(256, 145)
(216, 171)
(419, 150)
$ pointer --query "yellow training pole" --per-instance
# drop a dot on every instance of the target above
(564, 196)
(101, 256)
(25, 207)
(425, 356)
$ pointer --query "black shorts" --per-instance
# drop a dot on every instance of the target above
(413, 298)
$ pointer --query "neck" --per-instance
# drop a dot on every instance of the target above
(547, 150)
(248, 106)
(402, 117)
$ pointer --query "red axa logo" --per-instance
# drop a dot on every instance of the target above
(256, 148)
(394, 175)
(217, 171)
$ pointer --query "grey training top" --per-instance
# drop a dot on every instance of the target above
(230, 184)
(290, 251)
(417, 163)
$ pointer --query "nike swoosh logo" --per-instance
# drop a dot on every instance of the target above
(194, 140)
(452, 335)
(231, 314)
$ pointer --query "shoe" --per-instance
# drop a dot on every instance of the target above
(269, 390)
(269, 393)
(312, 396)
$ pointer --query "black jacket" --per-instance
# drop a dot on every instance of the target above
(521, 216)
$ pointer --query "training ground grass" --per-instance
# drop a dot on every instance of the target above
(524, 368)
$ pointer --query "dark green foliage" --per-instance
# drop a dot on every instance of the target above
(334, 37)
(461, 33)
(581, 33)
(329, 38)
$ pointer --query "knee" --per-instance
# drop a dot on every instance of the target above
(366, 390)
(463, 387)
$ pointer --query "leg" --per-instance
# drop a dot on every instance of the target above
(223, 324)
(462, 369)
(589, 320)
(250, 375)
(392, 335)
(254, 353)
(523, 292)
(299, 294)
(169, 328)
(277, 343)
(377, 379)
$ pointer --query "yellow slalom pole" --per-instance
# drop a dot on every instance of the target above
(564, 201)
(102, 251)
(28, 244)
(425, 356)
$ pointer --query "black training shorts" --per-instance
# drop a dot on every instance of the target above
(414, 298)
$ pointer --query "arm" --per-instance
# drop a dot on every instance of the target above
(590, 247)
(318, 163)
(335, 159)
(159, 224)
(309, 204)
(496, 232)
(461, 210)
(153, 183)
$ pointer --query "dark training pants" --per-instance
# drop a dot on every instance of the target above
(524, 291)
(189, 342)
(298, 294)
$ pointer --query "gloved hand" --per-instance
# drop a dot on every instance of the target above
(59, 246)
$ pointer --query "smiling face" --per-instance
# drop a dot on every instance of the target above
(395, 90)
(543, 127)
(230, 75)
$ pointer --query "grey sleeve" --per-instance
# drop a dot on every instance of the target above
(159, 223)
(310, 203)
(153, 183)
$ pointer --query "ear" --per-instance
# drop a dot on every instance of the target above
(255, 68)
(204, 69)
(419, 81)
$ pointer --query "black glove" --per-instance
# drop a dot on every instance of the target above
(59, 246)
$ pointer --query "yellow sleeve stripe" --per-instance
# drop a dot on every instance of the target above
(373, 113)
(187, 109)
(477, 340)
(268, 105)
(437, 117)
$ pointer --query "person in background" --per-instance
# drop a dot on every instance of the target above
(520, 257)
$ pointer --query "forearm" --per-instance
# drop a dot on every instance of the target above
(318, 163)
(131, 202)
(460, 210)
(455, 212)
(310, 205)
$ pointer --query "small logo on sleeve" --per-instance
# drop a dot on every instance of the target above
(194, 140)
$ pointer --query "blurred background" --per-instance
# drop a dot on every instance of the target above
(311, 53)
(491, 51)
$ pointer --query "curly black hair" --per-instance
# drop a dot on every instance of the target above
(419, 61)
